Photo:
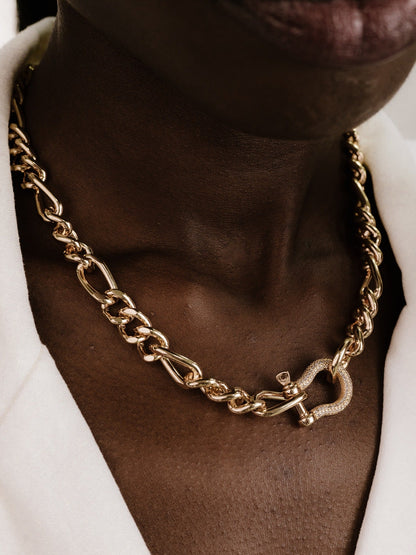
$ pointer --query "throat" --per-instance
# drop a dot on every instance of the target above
(142, 171)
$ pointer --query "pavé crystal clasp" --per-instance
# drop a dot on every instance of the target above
(294, 389)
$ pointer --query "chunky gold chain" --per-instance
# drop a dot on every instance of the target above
(153, 345)
(372, 257)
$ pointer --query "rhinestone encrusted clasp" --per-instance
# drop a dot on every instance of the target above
(291, 389)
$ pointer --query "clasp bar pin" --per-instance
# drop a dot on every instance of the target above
(290, 390)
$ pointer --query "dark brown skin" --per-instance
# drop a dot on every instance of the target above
(240, 248)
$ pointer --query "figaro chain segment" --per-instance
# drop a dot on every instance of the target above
(153, 346)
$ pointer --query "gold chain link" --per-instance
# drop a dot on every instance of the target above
(370, 239)
(151, 343)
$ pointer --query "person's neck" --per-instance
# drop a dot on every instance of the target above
(140, 168)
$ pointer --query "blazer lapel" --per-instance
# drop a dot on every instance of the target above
(389, 524)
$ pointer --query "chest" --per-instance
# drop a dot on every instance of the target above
(197, 478)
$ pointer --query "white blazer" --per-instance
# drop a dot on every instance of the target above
(57, 495)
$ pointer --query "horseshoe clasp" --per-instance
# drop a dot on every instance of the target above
(292, 389)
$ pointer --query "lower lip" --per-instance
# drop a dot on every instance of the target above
(332, 32)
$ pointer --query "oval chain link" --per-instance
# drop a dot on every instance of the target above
(151, 343)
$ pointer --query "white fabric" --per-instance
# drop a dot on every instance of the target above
(390, 521)
(57, 495)
(8, 23)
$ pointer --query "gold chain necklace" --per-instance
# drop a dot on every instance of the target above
(153, 345)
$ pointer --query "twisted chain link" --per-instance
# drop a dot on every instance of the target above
(370, 239)
(136, 328)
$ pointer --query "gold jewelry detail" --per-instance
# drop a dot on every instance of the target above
(153, 345)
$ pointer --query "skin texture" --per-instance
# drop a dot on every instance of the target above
(239, 77)
(239, 245)
(332, 32)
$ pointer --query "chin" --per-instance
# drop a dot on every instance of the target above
(331, 32)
